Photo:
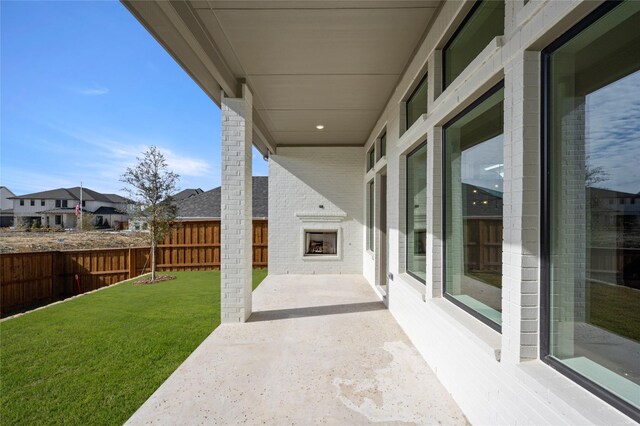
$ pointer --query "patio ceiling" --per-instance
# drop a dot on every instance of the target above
(334, 63)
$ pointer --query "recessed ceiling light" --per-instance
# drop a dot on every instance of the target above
(319, 127)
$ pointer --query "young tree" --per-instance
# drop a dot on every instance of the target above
(86, 222)
(150, 185)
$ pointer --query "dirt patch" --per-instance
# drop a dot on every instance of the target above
(159, 279)
(20, 241)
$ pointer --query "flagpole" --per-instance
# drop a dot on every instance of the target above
(81, 205)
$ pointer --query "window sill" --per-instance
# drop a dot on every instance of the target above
(413, 284)
(369, 175)
(489, 340)
(381, 164)
(321, 257)
(558, 390)
(527, 12)
(414, 135)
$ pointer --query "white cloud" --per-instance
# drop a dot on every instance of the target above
(612, 133)
(186, 166)
(93, 91)
(103, 163)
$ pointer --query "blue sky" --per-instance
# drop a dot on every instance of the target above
(85, 89)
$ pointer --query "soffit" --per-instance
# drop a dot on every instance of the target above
(307, 62)
(334, 63)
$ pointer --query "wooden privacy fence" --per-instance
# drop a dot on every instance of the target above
(483, 249)
(38, 278)
(195, 246)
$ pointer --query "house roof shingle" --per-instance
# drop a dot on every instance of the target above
(207, 204)
(73, 194)
(108, 210)
(187, 193)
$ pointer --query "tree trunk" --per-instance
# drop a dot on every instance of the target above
(153, 260)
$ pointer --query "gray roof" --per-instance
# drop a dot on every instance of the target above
(73, 194)
(207, 204)
(115, 198)
(187, 193)
(108, 210)
(62, 210)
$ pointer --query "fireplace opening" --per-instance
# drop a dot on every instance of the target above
(319, 243)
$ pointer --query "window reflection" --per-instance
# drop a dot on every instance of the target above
(484, 22)
(594, 203)
(417, 213)
(417, 103)
(371, 194)
(474, 173)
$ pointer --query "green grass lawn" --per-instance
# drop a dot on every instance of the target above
(615, 308)
(492, 278)
(96, 359)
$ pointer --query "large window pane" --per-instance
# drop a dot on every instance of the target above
(417, 213)
(371, 196)
(417, 102)
(383, 145)
(473, 208)
(594, 202)
(484, 23)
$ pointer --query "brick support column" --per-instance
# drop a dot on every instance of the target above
(520, 274)
(236, 206)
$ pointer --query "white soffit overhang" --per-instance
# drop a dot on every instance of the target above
(334, 63)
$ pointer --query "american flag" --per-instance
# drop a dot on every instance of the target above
(77, 209)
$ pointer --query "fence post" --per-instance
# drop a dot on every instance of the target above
(133, 263)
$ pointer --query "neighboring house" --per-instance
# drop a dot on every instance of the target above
(139, 224)
(206, 205)
(377, 116)
(6, 207)
(57, 208)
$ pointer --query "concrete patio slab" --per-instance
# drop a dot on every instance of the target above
(317, 349)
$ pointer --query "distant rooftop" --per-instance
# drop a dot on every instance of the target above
(187, 193)
(207, 204)
(73, 194)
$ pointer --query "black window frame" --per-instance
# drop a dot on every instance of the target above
(382, 149)
(407, 125)
(42, 203)
(406, 213)
(65, 204)
(22, 202)
(545, 219)
(32, 203)
(467, 309)
(58, 203)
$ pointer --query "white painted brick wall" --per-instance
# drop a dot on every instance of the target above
(236, 216)
(518, 388)
(521, 217)
(300, 180)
